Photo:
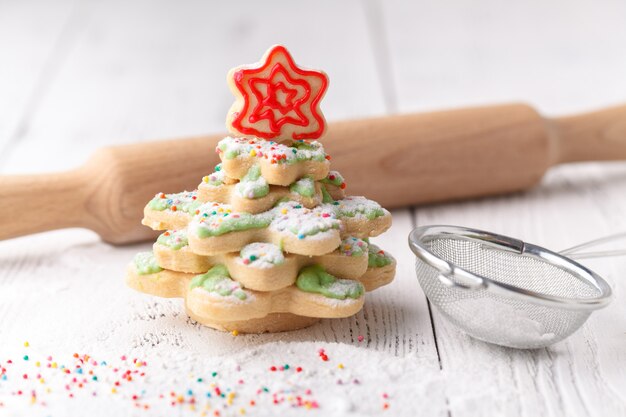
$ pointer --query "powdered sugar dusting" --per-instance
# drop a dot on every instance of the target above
(261, 255)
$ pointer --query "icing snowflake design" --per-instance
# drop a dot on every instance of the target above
(276, 99)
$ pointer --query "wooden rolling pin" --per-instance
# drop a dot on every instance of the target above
(396, 160)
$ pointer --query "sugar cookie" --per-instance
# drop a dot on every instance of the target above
(261, 266)
(276, 99)
(255, 196)
(280, 163)
(215, 296)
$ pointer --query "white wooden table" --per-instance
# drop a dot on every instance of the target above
(75, 76)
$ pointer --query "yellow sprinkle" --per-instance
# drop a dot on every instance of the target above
(307, 406)
(33, 399)
(26, 344)
(48, 390)
(54, 364)
(340, 366)
(231, 395)
(37, 364)
(205, 179)
(113, 390)
(252, 152)
(242, 411)
(41, 380)
(284, 211)
(235, 333)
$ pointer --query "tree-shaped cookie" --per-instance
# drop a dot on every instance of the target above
(269, 241)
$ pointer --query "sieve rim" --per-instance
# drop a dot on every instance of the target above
(472, 281)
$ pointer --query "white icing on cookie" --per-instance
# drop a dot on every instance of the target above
(261, 255)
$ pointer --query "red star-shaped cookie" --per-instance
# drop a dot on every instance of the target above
(276, 99)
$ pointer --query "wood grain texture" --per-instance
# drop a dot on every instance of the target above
(64, 289)
(28, 62)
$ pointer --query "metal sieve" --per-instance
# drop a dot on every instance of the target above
(505, 291)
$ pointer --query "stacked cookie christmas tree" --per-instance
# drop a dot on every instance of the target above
(269, 241)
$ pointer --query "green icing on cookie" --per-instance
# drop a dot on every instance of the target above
(216, 178)
(352, 246)
(358, 206)
(253, 185)
(146, 264)
(334, 178)
(315, 279)
(173, 239)
(377, 258)
(216, 220)
(326, 198)
(185, 202)
(217, 280)
(304, 186)
(308, 151)
(278, 153)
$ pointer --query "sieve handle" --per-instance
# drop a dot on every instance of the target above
(574, 251)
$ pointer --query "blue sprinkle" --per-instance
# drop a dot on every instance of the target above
(4, 377)
(208, 394)
(189, 392)
(79, 371)
(103, 363)
(300, 236)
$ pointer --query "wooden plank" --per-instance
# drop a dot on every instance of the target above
(561, 59)
(33, 36)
